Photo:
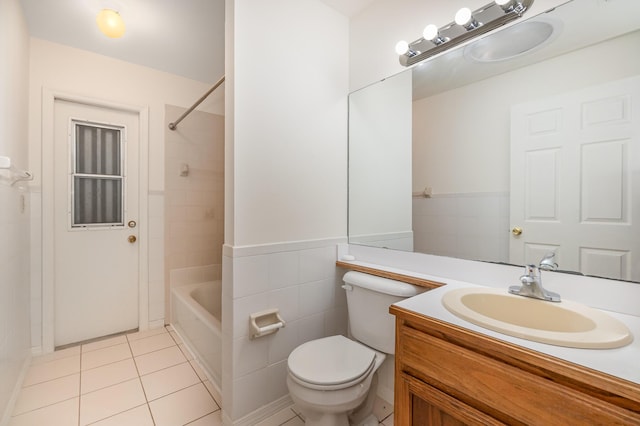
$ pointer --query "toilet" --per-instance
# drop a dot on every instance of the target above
(333, 380)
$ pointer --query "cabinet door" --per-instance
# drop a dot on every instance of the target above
(425, 405)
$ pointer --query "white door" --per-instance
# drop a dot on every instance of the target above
(96, 213)
(575, 180)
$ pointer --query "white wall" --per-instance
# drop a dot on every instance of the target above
(285, 175)
(376, 30)
(69, 70)
(14, 204)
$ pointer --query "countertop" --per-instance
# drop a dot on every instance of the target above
(621, 362)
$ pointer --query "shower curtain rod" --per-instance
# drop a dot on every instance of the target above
(174, 125)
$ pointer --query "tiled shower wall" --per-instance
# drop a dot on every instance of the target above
(194, 203)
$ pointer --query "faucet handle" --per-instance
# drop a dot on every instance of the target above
(548, 262)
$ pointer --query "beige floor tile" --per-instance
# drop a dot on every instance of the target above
(139, 416)
(279, 418)
(107, 375)
(105, 356)
(182, 407)
(105, 343)
(75, 350)
(63, 413)
(296, 421)
(47, 393)
(213, 419)
(388, 421)
(154, 361)
(110, 401)
(169, 380)
(43, 372)
(147, 333)
(382, 409)
(151, 344)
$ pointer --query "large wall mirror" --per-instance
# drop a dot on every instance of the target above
(523, 142)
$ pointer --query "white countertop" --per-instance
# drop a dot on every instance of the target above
(621, 362)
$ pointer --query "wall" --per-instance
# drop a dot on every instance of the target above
(286, 113)
(14, 205)
(376, 30)
(65, 69)
(194, 210)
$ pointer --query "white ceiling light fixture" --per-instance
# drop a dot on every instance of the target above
(467, 25)
(110, 23)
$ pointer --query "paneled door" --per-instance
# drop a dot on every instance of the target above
(575, 180)
(96, 212)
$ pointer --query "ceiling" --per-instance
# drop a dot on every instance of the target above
(184, 37)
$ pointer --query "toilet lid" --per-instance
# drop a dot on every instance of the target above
(330, 361)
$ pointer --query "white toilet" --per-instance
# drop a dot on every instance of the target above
(333, 380)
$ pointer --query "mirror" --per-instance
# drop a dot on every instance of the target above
(440, 180)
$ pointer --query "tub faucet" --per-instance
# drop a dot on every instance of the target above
(532, 281)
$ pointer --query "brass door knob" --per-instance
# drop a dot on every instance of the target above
(132, 239)
(516, 231)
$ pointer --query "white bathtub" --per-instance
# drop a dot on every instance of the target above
(196, 312)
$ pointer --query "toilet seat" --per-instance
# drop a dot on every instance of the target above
(333, 362)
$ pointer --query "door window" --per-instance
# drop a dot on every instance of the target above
(97, 178)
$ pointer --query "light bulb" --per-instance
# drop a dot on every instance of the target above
(110, 23)
(430, 32)
(463, 16)
(402, 47)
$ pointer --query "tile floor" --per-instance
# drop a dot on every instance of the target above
(138, 379)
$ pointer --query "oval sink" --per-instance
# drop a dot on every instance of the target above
(563, 323)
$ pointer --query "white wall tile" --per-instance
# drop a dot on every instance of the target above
(317, 264)
(243, 308)
(250, 355)
(287, 300)
(283, 342)
(284, 269)
(250, 275)
(317, 296)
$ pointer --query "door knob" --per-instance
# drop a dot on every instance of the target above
(516, 231)
(132, 239)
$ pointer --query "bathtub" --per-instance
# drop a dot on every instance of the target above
(196, 312)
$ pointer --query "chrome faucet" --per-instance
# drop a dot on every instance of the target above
(532, 281)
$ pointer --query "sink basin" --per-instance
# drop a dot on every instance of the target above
(563, 323)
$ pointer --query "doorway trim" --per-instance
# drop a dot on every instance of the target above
(49, 97)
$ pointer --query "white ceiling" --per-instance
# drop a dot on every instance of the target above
(183, 37)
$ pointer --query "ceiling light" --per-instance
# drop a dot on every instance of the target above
(110, 23)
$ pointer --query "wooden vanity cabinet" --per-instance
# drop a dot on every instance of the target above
(448, 375)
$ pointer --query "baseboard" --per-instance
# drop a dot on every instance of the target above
(261, 413)
(6, 417)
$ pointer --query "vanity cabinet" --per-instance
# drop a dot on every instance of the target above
(448, 375)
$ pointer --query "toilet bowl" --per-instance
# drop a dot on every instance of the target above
(333, 380)
(330, 378)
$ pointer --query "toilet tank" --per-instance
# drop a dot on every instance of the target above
(368, 301)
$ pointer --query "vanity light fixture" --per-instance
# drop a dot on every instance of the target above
(467, 25)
